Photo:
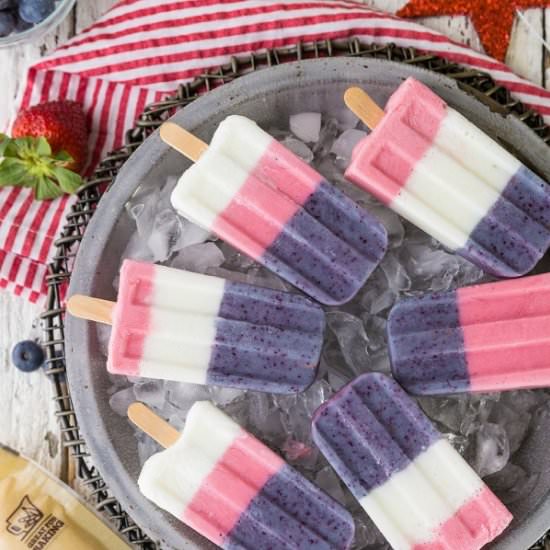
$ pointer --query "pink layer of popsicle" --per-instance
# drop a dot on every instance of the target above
(228, 490)
(383, 161)
(506, 328)
(258, 213)
(131, 318)
(484, 517)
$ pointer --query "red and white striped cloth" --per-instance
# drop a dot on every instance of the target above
(142, 49)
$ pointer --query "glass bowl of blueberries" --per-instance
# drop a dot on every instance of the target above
(24, 21)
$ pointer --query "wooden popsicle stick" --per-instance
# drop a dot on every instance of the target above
(153, 425)
(183, 141)
(362, 105)
(91, 309)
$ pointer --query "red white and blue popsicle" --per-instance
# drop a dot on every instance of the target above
(417, 489)
(255, 194)
(178, 325)
(489, 337)
(232, 489)
(432, 166)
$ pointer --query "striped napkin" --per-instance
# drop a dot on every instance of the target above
(141, 50)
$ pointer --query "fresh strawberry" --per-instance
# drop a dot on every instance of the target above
(48, 149)
(62, 123)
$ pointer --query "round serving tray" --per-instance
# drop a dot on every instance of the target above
(478, 84)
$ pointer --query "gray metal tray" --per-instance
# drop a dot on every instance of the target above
(266, 96)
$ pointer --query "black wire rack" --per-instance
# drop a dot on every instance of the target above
(474, 82)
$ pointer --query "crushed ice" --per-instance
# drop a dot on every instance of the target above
(306, 126)
(488, 430)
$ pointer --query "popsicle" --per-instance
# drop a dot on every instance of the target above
(416, 488)
(255, 194)
(488, 337)
(432, 166)
(228, 486)
(179, 325)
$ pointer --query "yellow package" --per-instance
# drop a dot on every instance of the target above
(39, 512)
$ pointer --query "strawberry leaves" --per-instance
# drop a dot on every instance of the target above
(29, 162)
(12, 172)
(68, 181)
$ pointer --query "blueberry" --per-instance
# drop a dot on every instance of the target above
(7, 23)
(35, 11)
(27, 356)
(21, 25)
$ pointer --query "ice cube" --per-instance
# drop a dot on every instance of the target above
(380, 362)
(391, 221)
(230, 275)
(238, 411)
(469, 274)
(475, 411)
(191, 234)
(336, 380)
(198, 257)
(164, 235)
(327, 480)
(147, 446)
(446, 411)
(259, 406)
(177, 420)
(117, 383)
(492, 449)
(315, 396)
(327, 167)
(299, 148)
(121, 400)
(398, 279)
(224, 396)
(328, 134)
(430, 269)
(259, 276)
(346, 119)
(459, 442)
(103, 332)
(151, 392)
(136, 249)
(345, 143)
(263, 418)
(375, 327)
(351, 335)
(144, 210)
(306, 126)
(378, 299)
(183, 395)
(367, 535)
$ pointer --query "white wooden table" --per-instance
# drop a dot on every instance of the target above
(26, 407)
(25, 400)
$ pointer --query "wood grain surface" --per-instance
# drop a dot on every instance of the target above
(26, 407)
